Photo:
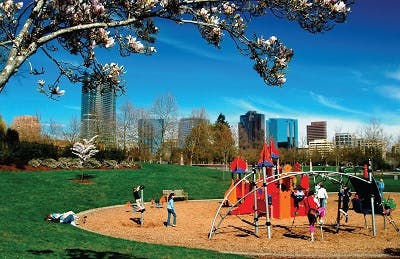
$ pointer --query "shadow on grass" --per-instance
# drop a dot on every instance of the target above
(40, 252)
(83, 178)
(80, 253)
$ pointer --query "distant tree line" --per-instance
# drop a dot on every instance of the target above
(208, 142)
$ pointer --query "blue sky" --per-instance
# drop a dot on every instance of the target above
(346, 76)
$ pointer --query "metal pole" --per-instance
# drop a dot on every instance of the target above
(268, 224)
(255, 201)
(372, 205)
(142, 204)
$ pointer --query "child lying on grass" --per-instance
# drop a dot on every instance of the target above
(66, 218)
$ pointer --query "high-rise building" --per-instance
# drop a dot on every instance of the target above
(317, 130)
(185, 128)
(251, 130)
(28, 128)
(345, 140)
(98, 116)
(150, 134)
(323, 146)
(283, 131)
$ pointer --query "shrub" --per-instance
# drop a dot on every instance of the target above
(92, 163)
(50, 162)
(34, 162)
(110, 164)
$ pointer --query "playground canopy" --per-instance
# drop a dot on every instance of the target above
(238, 165)
(265, 156)
(274, 151)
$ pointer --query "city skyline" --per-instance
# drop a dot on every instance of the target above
(346, 76)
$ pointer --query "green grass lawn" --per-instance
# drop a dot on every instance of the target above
(26, 197)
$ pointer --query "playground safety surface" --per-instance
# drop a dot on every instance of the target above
(290, 238)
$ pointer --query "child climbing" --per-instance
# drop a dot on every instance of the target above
(345, 194)
(138, 199)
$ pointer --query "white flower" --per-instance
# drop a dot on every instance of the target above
(41, 82)
(110, 42)
(203, 13)
(281, 62)
(214, 20)
(134, 44)
(164, 3)
(19, 5)
(281, 80)
(340, 7)
(272, 39)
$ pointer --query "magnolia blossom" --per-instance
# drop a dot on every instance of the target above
(229, 8)
(281, 62)
(214, 20)
(217, 31)
(134, 44)
(41, 82)
(109, 42)
(272, 39)
(340, 7)
(9, 7)
(164, 3)
(239, 23)
(19, 5)
(57, 91)
(98, 8)
(204, 13)
(147, 4)
(281, 79)
(113, 71)
(305, 3)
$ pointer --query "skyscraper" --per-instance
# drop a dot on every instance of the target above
(98, 116)
(150, 133)
(283, 131)
(317, 130)
(185, 128)
(251, 130)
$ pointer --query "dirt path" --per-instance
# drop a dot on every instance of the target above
(194, 220)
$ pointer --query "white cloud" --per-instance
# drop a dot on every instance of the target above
(76, 108)
(185, 46)
(394, 75)
(333, 105)
(390, 91)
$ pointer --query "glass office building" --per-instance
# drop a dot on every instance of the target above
(284, 132)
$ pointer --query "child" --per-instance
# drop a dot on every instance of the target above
(312, 212)
(171, 209)
(136, 195)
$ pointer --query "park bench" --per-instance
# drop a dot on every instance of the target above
(179, 194)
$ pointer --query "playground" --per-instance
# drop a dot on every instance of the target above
(235, 235)
(263, 214)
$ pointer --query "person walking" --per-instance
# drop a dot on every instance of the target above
(322, 195)
(171, 210)
(381, 187)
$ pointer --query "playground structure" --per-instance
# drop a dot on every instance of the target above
(269, 191)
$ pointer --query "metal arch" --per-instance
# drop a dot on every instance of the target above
(325, 174)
